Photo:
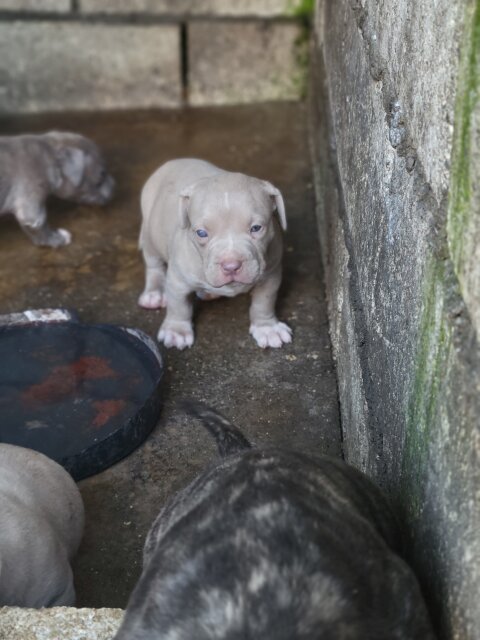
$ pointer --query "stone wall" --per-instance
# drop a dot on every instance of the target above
(67, 623)
(107, 54)
(395, 137)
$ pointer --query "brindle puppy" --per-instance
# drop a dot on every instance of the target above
(273, 544)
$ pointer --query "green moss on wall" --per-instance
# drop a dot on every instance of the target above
(300, 77)
(459, 208)
(431, 363)
(301, 9)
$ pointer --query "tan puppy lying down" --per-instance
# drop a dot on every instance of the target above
(217, 233)
(41, 527)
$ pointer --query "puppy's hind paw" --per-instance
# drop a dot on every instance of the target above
(176, 334)
(271, 335)
(152, 300)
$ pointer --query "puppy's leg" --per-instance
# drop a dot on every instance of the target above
(264, 325)
(65, 596)
(153, 296)
(33, 221)
(48, 237)
(177, 329)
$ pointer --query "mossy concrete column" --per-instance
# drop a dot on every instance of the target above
(395, 117)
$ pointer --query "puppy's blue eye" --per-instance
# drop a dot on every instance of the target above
(201, 233)
(255, 228)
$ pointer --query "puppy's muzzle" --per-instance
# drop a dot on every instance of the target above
(100, 194)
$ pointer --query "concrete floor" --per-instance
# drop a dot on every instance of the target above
(287, 396)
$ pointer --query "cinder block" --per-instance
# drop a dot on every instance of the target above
(67, 623)
(36, 5)
(258, 8)
(55, 66)
(233, 63)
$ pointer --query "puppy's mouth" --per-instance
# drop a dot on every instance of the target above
(237, 280)
(218, 283)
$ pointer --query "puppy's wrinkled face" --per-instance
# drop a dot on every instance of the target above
(81, 173)
(230, 222)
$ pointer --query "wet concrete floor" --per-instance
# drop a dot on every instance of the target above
(286, 396)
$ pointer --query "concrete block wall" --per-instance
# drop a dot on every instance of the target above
(395, 137)
(67, 623)
(60, 55)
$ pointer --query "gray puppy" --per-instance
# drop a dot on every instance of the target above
(220, 233)
(66, 165)
(277, 545)
(41, 527)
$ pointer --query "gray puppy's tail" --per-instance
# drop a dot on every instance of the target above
(229, 439)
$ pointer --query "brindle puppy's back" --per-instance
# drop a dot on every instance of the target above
(275, 545)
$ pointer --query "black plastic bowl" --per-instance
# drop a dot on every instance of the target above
(84, 395)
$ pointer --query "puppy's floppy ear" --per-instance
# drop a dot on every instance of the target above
(184, 204)
(72, 164)
(279, 205)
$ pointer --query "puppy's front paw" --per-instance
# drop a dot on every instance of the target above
(65, 235)
(152, 300)
(271, 335)
(54, 238)
(176, 334)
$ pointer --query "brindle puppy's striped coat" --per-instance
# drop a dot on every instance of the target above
(271, 544)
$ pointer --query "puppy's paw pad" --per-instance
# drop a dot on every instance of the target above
(271, 335)
(179, 335)
(152, 300)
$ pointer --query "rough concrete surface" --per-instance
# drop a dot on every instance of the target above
(407, 354)
(413, 55)
(52, 66)
(247, 61)
(60, 6)
(286, 396)
(463, 222)
(66, 623)
(215, 8)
